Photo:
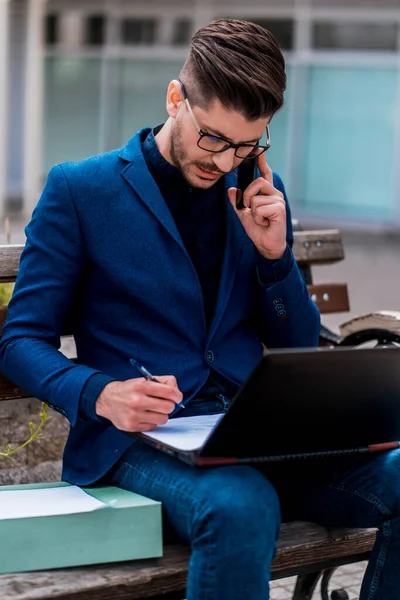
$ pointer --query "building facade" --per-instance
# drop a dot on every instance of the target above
(80, 77)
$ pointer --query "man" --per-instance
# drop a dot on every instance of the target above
(148, 246)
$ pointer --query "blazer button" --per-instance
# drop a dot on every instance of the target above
(210, 356)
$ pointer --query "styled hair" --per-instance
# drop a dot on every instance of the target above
(239, 63)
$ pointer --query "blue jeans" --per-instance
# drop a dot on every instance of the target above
(230, 515)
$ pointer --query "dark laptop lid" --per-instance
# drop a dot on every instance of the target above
(301, 401)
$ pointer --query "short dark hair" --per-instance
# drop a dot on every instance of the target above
(238, 62)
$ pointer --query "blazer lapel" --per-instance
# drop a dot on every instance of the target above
(137, 175)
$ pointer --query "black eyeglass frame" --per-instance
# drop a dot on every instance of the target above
(203, 134)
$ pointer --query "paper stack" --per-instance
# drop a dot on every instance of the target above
(54, 525)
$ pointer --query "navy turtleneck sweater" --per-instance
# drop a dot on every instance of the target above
(202, 236)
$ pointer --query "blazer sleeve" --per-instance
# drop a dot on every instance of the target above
(50, 269)
(290, 317)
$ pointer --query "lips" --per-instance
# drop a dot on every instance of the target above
(207, 174)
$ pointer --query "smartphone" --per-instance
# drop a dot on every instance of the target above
(247, 172)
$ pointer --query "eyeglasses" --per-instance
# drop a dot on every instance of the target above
(213, 143)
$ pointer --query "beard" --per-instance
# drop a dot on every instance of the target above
(179, 158)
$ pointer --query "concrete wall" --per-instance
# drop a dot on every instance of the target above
(41, 459)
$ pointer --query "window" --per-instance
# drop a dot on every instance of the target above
(182, 32)
(52, 30)
(282, 29)
(95, 30)
(139, 31)
(357, 36)
(348, 126)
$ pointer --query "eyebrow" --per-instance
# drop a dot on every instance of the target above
(219, 134)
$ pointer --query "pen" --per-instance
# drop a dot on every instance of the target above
(143, 371)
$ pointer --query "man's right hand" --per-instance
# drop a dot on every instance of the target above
(138, 404)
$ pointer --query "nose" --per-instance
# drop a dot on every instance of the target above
(225, 161)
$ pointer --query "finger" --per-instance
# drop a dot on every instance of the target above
(258, 201)
(265, 214)
(260, 187)
(244, 215)
(146, 427)
(232, 199)
(153, 418)
(168, 380)
(264, 169)
(148, 403)
(246, 200)
(161, 390)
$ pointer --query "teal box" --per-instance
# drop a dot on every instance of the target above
(129, 527)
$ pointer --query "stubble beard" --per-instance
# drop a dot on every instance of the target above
(178, 156)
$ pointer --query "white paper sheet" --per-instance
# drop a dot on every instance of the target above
(20, 504)
(185, 433)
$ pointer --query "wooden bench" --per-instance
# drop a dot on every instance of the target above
(305, 550)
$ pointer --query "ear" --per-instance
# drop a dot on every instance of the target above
(174, 98)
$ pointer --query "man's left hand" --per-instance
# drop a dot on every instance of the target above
(264, 215)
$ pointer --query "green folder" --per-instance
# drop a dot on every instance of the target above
(128, 527)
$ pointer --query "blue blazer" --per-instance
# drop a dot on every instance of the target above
(102, 240)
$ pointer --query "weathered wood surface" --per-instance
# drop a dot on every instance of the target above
(330, 297)
(310, 247)
(303, 543)
(318, 247)
(9, 262)
(300, 544)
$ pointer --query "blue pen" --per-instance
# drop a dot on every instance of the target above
(143, 371)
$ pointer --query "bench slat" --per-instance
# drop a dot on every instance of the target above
(300, 544)
(318, 247)
(9, 262)
(330, 297)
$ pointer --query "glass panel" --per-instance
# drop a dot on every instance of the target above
(144, 85)
(355, 36)
(52, 29)
(349, 149)
(182, 32)
(138, 31)
(278, 155)
(282, 29)
(95, 30)
(72, 107)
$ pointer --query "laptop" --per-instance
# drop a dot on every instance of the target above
(297, 404)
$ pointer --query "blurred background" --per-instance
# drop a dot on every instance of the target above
(79, 77)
